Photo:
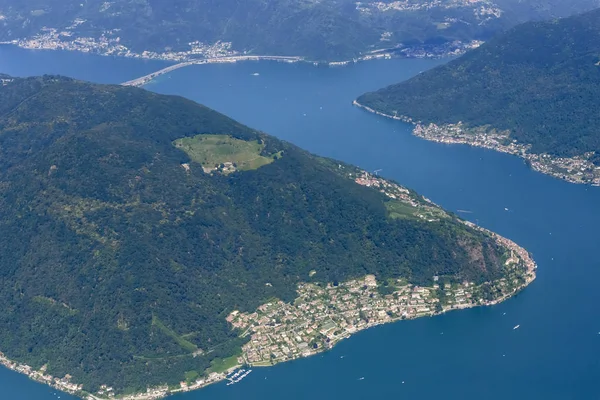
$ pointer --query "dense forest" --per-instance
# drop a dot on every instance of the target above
(118, 265)
(541, 81)
(318, 30)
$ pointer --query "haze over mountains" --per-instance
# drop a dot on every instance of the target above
(318, 30)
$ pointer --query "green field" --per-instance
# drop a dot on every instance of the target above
(191, 376)
(213, 150)
(399, 209)
(223, 364)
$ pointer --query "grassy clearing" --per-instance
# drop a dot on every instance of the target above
(188, 346)
(223, 364)
(213, 150)
(399, 209)
(191, 376)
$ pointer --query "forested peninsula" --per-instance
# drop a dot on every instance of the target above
(148, 243)
(533, 92)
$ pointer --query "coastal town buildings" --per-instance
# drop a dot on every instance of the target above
(577, 169)
(322, 315)
(109, 43)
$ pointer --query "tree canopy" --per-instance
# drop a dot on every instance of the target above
(540, 81)
(119, 266)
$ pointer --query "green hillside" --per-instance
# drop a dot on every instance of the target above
(120, 258)
(540, 81)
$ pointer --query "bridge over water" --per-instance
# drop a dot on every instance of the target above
(231, 59)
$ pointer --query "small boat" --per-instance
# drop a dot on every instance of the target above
(516, 327)
(361, 378)
(255, 74)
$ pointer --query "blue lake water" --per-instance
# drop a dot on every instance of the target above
(470, 354)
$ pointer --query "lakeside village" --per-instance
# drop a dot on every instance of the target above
(63, 384)
(322, 315)
(109, 44)
(578, 169)
(412, 204)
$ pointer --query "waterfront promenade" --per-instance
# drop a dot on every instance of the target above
(230, 59)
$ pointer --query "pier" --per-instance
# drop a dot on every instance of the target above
(230, 59)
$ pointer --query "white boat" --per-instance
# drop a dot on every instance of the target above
(235, 375)
(516, 327)
(245, 374)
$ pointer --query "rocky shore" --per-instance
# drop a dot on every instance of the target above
(577, 169)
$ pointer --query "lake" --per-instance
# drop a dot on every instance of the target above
(469, 354)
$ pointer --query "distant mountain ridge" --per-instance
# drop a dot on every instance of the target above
(127, 238)
(540, 82)
(326, 30)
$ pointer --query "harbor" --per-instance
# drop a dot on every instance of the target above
(237, 376)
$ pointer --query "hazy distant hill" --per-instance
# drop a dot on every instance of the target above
(541, 81)
(319, 30)
(120, 257)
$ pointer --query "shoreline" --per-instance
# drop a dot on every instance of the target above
(222, 51)
(160, 392)
(525, 269)
(465, 294)
(576, 169)
(193, 57)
